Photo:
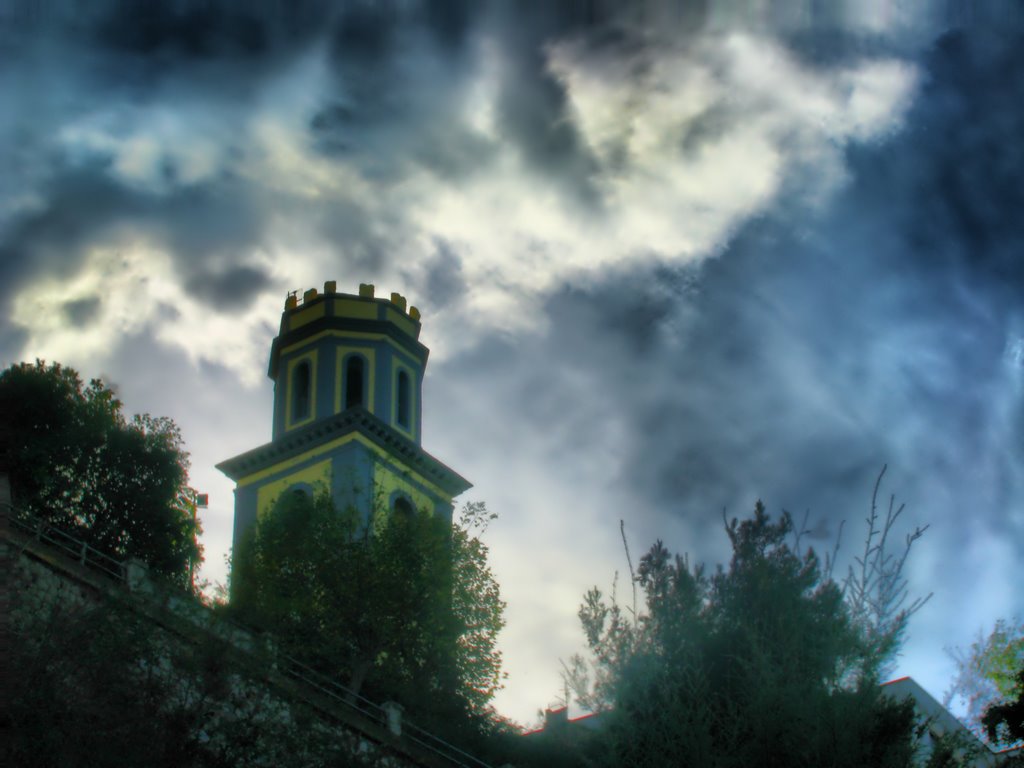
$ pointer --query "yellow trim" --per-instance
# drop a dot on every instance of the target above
(370, 355)
(411, 430)
(269, 493)
(363, 310)
(400, 319)
(307, 315)
(311, 357)
(345, 335)
(332, 445)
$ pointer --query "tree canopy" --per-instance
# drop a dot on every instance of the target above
(399, 606)
(990, 682)
(75, 461)
(761, 663)
(1004, 720)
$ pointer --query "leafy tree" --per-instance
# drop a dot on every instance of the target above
(75, 461)
(1004, 721)
(988, 679)
(762, 663)
(399, 606)
(477, 608)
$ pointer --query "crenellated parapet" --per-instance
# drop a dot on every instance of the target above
(345, 303)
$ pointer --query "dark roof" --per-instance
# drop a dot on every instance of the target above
(350, 420)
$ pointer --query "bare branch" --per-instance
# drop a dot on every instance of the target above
(876, 588)
(629, 562)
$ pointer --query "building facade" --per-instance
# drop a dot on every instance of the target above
(348, 382)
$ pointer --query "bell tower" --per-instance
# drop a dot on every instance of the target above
(348, 382)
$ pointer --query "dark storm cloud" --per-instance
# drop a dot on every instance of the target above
(533, 104)
(86, 207)
(230, 289)
(385, 109)
(191, 30)
(534, 116)
(966, 168)
(79, 205)
(69, 62)
(82, 311)
(12, 342)
(398, 76)
(204, 221)
(329, 127)
(706, 127)
(183, 29)
(803, 358)
(445, 282)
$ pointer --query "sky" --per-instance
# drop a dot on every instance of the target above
(672, 257)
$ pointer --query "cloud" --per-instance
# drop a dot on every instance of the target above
(230, 289)
(537, 162)
(882, 327)
(658, 193)
(82, 311)
(669, 262)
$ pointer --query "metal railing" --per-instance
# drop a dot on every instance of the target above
(290, 667)
(85, 554)
(295, 669)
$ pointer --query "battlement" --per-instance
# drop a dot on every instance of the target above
(366, 291)
(314, 316)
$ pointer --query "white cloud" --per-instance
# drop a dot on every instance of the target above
(151, 147)
(133, 288)
(690, 143)
(119, 281)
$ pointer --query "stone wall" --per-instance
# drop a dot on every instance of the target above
(236, 690)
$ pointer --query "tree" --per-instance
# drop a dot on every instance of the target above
(1004, 721)
(478, 610)
(399, 606)
(988, 678)
(762, 663)
(77, 463)
(875, 589)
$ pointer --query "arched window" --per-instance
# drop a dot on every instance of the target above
(301, 391)
(404, 508)
(403, 399)
(354, 372)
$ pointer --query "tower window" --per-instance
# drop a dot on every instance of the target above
(354, 372)
(403, 508)
(403, 399)
(301, 391)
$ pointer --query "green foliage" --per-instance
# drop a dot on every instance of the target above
(397, 607)
(989, 673)
(76, 462)
(758, 664)
(1004, 721)
(477, 608)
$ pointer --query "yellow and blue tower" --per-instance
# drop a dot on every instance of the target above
(348, 382)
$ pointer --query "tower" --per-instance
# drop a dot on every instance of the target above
(348, 381)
